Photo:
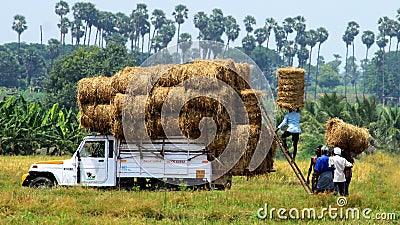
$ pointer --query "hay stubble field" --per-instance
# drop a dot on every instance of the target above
(375, 185)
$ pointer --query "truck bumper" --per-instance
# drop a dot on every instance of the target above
(25, 180)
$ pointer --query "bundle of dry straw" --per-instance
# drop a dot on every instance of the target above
(290, 88)
(346, 136)
(139, 95)
(95, 90)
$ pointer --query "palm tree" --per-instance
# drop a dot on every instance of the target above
(180, 14)
(156, 43)
(261, 35)
(348, 39)
(322, 36)
(248, 44)
(64, 25)
(290, 50)
(353, 28)
(61, 9)
(76, 31)
(231, 29)
(302, 56)
(368, 39)
(270, 24)
(53, 47)
(381, 41)
(19, 26)
(157, 19)
(249, 22)
(91, 17)
(280, 37)
(288, 25)
(145, 29)
(216, 25)
(200, 21)
(299, 26)
(139, 18)
(167, 32)
(186, 43)
(311, 40)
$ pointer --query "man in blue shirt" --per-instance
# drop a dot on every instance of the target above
(292, 120)
(324, 172)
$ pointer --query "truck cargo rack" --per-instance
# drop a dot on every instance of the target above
(175, 144)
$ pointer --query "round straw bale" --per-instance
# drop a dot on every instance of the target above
(346, 136)
(120, 80)
(95, 90)
(117, 129)
(96, 118)
(244, 70)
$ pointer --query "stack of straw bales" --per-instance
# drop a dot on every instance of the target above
(290, 88)
(141, 94)
(346, 136)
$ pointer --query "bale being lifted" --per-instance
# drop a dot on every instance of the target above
(346, 136)
(290, 88)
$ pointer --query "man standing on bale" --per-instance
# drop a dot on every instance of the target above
(292, 120)
(340, 164)
(323, 171)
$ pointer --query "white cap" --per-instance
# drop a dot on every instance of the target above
(325, 148)
(337, 151)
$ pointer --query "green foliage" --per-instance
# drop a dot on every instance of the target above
(328, 76)
(371, 187)
(67, 71)
(10, 68)
(28, 126)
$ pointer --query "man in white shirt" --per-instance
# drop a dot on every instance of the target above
(339, 163)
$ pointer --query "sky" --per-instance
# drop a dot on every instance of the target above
(333, 15)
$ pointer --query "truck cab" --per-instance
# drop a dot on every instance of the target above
(104, 161)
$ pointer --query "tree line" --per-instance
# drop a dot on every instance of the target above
(120, 40)
(292, 39)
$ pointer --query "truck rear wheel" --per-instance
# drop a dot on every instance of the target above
(41, 183)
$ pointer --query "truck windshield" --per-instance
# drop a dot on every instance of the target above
(93, 149)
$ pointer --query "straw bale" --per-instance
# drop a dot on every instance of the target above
(200, 68)
(289, 105)
(346, 136)
(96, 118)
(95, 90)
(118, 103)
(139, 80)
(290, 88)
(244, 70)
(117, 129)
(120, 80)
(290, 73)
(249, 134)
(268, 163)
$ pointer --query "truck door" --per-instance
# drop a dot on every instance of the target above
(93, 162)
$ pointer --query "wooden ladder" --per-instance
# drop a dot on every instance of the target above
(293, 165)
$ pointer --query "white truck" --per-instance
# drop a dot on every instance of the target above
(104, 161)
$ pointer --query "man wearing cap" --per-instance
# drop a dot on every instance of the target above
(340, 164)
(323, 170)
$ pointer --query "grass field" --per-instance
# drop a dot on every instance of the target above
(375, 185)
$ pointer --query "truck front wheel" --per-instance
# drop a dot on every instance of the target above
(41, 183)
